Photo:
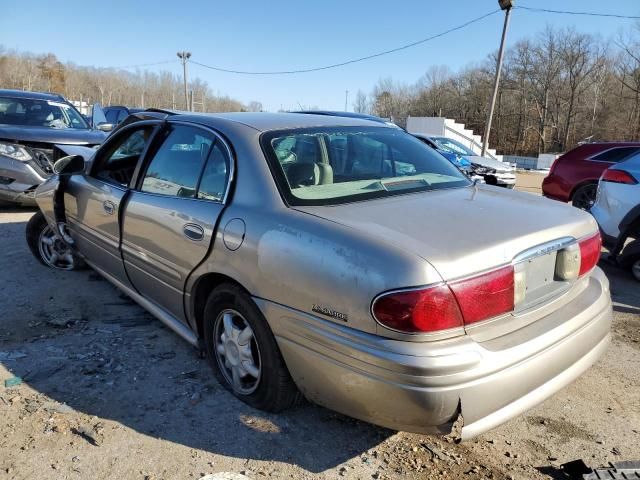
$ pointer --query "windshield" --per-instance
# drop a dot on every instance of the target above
(452, 146)
(321, 166)
(39, 113)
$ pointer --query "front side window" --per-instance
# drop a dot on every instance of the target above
(319, 166)
(39, 113)
(175, 168)
(119, 160)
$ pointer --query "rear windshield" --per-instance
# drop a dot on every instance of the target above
(39, 113)
(323, 166)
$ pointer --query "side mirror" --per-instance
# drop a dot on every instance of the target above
(69, 165)
(105, 127)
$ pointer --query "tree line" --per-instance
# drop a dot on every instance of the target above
(109, 86)
(558, 88)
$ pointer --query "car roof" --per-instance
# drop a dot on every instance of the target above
(123, 107)
(334, 113)
(263, 121)
(31, 95)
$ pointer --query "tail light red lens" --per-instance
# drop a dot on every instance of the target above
(486, 295)
(589, 253)
(618, 176)
(444, 307)
(418, 311)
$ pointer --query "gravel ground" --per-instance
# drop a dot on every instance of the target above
(108, 392)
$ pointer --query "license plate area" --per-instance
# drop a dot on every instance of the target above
(540, 282)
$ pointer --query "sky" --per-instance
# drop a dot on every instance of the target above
(284, 35)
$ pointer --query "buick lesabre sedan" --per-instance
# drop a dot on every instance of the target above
(337, 259)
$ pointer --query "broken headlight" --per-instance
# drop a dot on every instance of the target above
(17, 152)
(481, 170)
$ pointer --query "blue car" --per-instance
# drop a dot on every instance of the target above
(492, 171)
(457, 159)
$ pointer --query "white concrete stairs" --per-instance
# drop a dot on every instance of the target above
(448, 127)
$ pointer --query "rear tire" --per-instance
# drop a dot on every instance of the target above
(585, 196)
(243, 352)
(47, 246)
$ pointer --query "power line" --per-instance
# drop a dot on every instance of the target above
(348, 62)
(566, 12)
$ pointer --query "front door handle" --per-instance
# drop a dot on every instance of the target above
(109, 207)
(193, 232)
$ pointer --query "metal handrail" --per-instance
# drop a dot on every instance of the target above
(471, 140)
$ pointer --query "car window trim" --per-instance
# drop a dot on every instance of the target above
(114, 138)
(217, 137)
(593, 159)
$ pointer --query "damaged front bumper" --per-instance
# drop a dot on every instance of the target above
(434, 387)
(18, 181)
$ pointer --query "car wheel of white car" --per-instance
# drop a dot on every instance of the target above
(48, 247)
(243, 352)
(585, 196)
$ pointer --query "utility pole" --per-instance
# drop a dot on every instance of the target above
(184, 58)
(346, 99)
(505, 5)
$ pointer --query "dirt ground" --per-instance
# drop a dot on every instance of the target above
(530, 181)
(109, 393)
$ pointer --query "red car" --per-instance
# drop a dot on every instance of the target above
(574, 176)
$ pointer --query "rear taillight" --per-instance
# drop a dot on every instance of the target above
(486, 295)
(418, 311)
(618, 176)
(589, 253)
(443, 307)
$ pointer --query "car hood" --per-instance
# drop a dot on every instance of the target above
(463, 230)
(489, 163)
(65, 136)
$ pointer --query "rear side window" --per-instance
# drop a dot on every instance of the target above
(215, 176)
(615, 155)
(175, 168)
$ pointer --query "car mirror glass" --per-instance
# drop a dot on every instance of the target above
(69, 165)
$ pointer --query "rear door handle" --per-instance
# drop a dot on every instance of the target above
(109, 207)
(193, 232)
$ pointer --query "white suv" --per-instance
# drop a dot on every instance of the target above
(617, 211)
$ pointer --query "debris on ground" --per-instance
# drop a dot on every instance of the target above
(12, 382)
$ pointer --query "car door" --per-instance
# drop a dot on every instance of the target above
(171, 215)
(93, 201)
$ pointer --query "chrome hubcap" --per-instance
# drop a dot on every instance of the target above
(237, 352)
(54, 251)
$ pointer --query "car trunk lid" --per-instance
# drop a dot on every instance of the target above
(463, 232)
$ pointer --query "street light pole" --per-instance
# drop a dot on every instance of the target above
(184, 58)
(505, 5)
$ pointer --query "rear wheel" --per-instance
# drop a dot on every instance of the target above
(48, 247)
(243, 352)
(585, 196)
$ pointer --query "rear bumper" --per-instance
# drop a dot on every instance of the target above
(423, 386)
(18, 182)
